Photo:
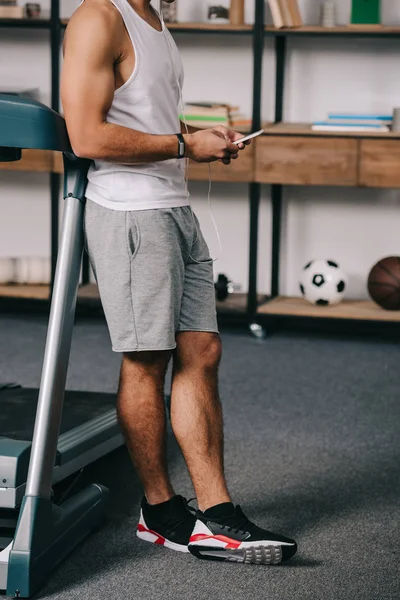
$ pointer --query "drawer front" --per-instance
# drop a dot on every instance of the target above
(32, 160)
(58, 163)
(306, 161)
(240, 170)
(380, 163)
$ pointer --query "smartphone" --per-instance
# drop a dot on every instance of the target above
(249, 137)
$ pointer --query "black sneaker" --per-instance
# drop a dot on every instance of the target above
(225, 533)
(168, 524)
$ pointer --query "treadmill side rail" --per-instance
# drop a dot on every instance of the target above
(86, 436)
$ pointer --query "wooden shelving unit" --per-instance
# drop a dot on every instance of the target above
(348, 159)
(355, 310)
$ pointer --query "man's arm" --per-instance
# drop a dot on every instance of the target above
(87, 91)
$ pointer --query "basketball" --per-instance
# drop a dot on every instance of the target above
(384, 283)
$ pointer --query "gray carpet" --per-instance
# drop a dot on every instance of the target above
(312, 450)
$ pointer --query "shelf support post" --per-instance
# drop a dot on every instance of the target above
(280, 54)
(276, 193)
(255, 188)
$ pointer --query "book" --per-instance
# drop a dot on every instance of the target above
(285, 12)
(11, 12)
(201, 111)
(277, 16)
(206, 118)
(365, 12)
(350, 127)
(295, 13)
(357, 117)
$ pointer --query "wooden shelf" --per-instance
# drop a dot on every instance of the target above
(343, 30)
(193, 27)
(32, 292)
(88, 295)
(209, 28)
(349, 309)
(235, 303)
(304, 129)
(31, 161)
(42, 23)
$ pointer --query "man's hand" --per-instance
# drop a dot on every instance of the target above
(231, 136)
(210, 145)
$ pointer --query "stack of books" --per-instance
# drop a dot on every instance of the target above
(204, 115)
(10, 10)
(285, 13)
(354, 123)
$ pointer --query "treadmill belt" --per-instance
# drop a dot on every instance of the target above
(18, 410)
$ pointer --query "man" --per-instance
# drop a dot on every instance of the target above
(121, 93)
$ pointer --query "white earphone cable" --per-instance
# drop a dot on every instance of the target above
(181, 108)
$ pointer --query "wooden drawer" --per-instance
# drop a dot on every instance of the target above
(58, 164)
(32, 160)
(306, 160)
(240, 170)
(380, 163)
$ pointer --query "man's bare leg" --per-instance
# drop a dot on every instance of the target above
(196, 414)
(141, 413)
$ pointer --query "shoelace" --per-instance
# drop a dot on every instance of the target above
(238, 523)
(180, 517)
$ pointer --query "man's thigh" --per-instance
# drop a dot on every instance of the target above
(139, 264)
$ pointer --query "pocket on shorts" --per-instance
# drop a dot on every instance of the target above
(132, 233)
(200, 252)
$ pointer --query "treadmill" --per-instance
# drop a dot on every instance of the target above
(48, 434)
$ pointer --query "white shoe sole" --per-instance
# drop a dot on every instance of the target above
(251, 555)
(159, 540)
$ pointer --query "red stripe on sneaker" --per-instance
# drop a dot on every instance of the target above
(230, 544)
(160, 540)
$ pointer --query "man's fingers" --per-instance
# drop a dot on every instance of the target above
(226, 161)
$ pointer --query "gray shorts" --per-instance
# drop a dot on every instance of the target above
(154, 274)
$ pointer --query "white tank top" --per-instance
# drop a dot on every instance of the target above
(149, 102)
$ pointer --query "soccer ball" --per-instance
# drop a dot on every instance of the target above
(323, 282)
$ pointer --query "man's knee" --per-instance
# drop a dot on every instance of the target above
(198, 351)
(146, 364)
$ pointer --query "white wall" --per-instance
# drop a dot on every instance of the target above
(355, 227)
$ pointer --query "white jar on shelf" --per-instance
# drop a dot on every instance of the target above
(328, 13)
